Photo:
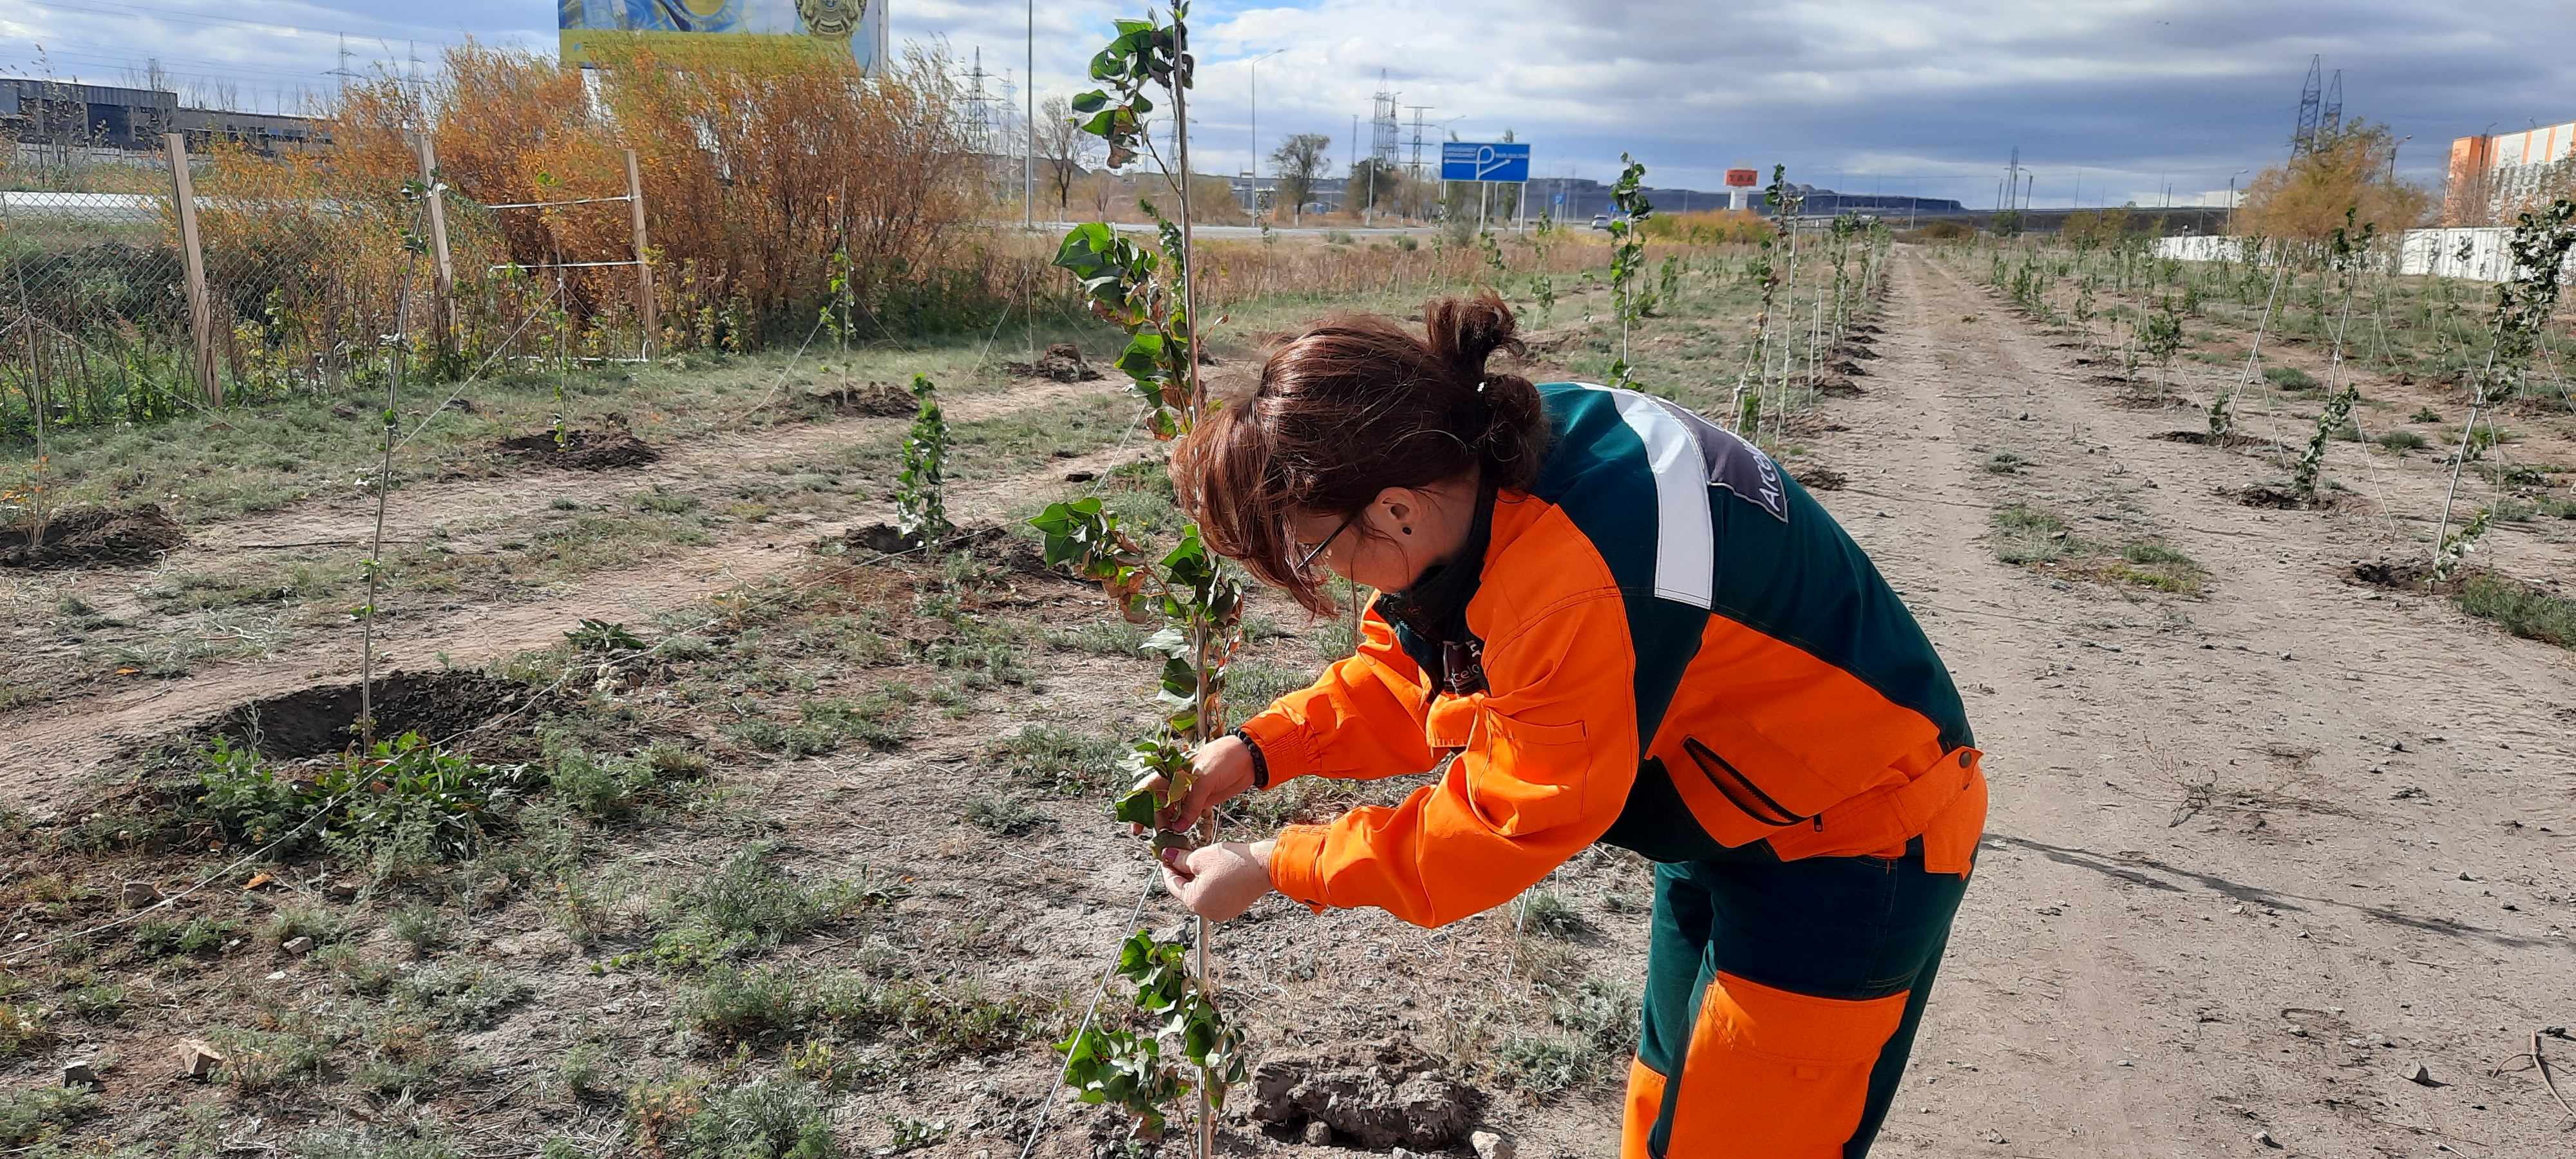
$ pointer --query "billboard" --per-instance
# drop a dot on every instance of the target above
(1504, 161)
(857, 26)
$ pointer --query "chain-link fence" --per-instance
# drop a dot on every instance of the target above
(307, 277)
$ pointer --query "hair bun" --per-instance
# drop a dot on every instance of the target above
(1464, 332)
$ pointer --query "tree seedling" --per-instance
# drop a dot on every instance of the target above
(920, 515)
(1150, 296)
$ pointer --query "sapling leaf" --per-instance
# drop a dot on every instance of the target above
(1136, 808)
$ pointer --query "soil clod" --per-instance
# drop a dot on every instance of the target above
(872, 399)
(1062, 362)
(1372, 1095)
(89, 536)
(323, 719)
(1817, 477)
(582, 450)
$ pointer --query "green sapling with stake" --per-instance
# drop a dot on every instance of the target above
(920, 515)
(2542, 240)
(1628, 261)
(1150, 295)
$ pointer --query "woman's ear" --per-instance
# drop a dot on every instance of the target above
(1395, 509)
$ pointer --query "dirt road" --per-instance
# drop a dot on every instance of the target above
(2253, 856)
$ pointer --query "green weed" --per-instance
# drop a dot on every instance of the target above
(419, 925)
(1002, 817)
(2402, 441)
(747, 905)
(458, 997)
(2524, 611)
(1061, 760)
(37, 1114)
(2026, 535)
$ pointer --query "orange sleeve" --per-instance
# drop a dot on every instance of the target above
(1363, 719)
(1546, 770)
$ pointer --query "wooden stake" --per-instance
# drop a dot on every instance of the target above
(644, 308)
(443, 304)
(201, 307)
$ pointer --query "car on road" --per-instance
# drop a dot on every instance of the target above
(1600, 221)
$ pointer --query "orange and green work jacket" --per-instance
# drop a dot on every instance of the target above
(1668, 646)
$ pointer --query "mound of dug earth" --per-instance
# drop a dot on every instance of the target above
(322, 719)
(582, 450)
(1062, 362)
(85, 536)
(873, 399)
(1374, 1095)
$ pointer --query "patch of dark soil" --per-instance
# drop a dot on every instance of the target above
(1857, 352)
(1865, 328)
(2132, 400)
(1372, 1095)
(2109, 380)
(1847, 368)
(2394, 576)
(2276, 498)
(1838, 387)
(873, 399)
(582, 450)
(2206, 439)
(1817, 477)
(323, 719)
(86, 536)
(1062, 362)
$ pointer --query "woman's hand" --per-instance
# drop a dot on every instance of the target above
(1218, 881)
(1224, 771)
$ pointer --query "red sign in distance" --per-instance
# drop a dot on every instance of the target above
(1743, 178)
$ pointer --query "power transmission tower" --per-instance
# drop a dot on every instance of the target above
(1382, 126)
(979, 110)
(2330, 121)
(1415, 169)
(2304, 138)
(343, 72)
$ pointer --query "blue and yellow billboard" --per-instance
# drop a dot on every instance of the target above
(857, 25)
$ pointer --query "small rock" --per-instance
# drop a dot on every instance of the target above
(343, 890)
(1318, 1133)
(1491, 1146)
(2266, 1139)
(82, 1074)
(139, 894)
(342, 410)
(198, 1060)
(299, 945)
(2420, 1076)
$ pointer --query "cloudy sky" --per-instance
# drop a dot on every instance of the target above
(2113, 99)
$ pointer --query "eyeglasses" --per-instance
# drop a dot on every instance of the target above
(1306, 562)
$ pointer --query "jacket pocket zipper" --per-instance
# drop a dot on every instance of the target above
(1738, 788)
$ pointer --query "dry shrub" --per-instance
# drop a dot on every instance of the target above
(1709, 227)
(759, 164)
(2349, 169)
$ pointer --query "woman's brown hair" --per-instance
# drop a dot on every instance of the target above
(1351, 407)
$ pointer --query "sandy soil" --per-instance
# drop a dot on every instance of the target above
(2253, 856)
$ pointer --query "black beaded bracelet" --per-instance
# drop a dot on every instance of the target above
(1260, 764)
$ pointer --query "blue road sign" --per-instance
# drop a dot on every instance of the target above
(1477, 161)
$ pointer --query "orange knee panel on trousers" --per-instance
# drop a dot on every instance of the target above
(1770, 1075)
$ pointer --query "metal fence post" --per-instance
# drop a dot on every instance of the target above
(201, 307)
(443, 309)
(644, 305)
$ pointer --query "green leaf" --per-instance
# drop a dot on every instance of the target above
(1136, 808)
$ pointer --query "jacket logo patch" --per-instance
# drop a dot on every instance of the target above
(1735, 463)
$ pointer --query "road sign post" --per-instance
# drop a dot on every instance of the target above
(1484, 162)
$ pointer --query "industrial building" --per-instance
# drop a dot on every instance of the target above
(2495, 176)
(67, 116)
